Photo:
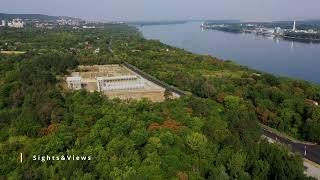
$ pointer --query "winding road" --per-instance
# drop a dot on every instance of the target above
(308, 151)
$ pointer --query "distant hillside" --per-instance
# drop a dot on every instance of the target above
(40, 17)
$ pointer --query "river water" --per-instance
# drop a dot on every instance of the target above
(274, 55)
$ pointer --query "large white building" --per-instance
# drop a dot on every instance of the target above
(16, 23)
(3, 23)
(278, 31)
(69, 22)
(119, 83)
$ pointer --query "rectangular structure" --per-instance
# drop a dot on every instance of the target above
(115, 81)
(119, 83)
(74, 82)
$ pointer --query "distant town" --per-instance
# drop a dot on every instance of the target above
(46, 22)
(292, 30)
(296, 30)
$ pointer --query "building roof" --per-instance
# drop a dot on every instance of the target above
(117, 78)
(74, 78)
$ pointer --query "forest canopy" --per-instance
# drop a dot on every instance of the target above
(211, 134)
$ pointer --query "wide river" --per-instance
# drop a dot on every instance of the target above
(273, 55)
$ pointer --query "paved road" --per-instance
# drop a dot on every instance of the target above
(312, 151)
(311, 169)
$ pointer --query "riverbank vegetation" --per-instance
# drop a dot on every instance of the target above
(285, 104)
(211, 135)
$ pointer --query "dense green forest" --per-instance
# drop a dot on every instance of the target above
(211, 134)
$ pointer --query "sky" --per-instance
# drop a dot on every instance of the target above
(157, 10)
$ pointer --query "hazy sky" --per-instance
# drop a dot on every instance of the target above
(168, 9)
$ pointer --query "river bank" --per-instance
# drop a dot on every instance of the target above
(269, 54)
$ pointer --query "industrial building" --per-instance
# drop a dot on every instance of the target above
(119, 83)
(115, 81)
